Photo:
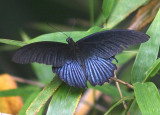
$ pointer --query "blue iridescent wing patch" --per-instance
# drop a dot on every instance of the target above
(72, 74)
(99, 70)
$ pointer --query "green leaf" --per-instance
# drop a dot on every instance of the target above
(110, 90)
(124, 57)
(124, 73)
(43, 96)
(116, 104)
(134, 108)
(148, 98)
(64, 101)
(107, 7)
(22, 91)
(12, 42)
(153, 70)
(100, 20)
(62, 36)
(122, 9)
(24, 36)
(8, 47)
(29, 100)
(43, 72)
(92, 30)
(57, 37)
(148, 52)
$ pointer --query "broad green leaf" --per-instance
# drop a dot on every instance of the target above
(116, 104)
(12, 42)
(8, 47)
(153, 70)
(22, 91)
(124, 57)
(43, 96)
(24, 36)
(148, 98)
(134, 108)
(107, 7)
(57, 37)
(110, 90)
(62, 36)
(43, 72)
(100, 20)
(64, 101)
(29, 100)
(122, 9)
(124, 73)
(92, 30)
(148, 52)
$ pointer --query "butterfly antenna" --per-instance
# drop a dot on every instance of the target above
(57, 29)
(74, 23)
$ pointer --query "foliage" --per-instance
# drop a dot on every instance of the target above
(62, 99)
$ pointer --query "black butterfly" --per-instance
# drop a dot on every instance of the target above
(90, 58)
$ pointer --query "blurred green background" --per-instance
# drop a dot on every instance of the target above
(36, 17)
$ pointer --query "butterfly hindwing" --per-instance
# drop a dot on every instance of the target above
(50, 53)
(99, 70)
(72, 74)
(108, 43)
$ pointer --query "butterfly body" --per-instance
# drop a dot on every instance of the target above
(89, 59)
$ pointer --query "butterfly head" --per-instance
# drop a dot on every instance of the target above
(70, 41)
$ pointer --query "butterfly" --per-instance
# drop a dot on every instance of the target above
(89, 59)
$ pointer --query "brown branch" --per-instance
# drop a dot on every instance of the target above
(145, 15)
(119, 90)
(28, 81)
(122, 82)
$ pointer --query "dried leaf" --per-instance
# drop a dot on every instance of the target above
(11, 105)
(145, 15)
(87, 102)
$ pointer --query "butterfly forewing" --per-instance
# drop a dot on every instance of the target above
(108, 43)
(50, 53)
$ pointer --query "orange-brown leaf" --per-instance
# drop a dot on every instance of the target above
(10, 105)
(145, 15)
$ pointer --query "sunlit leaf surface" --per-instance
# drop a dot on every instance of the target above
(148, 52)
(64, 101)
(148, 98)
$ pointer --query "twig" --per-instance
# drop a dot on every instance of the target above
(94, 102)
(28, 81)
(130, 103)
(119, 90)
(122, 82)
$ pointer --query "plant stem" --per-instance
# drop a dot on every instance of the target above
(28, 81)
(130, 103)
(119, 90)
(122, 82)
